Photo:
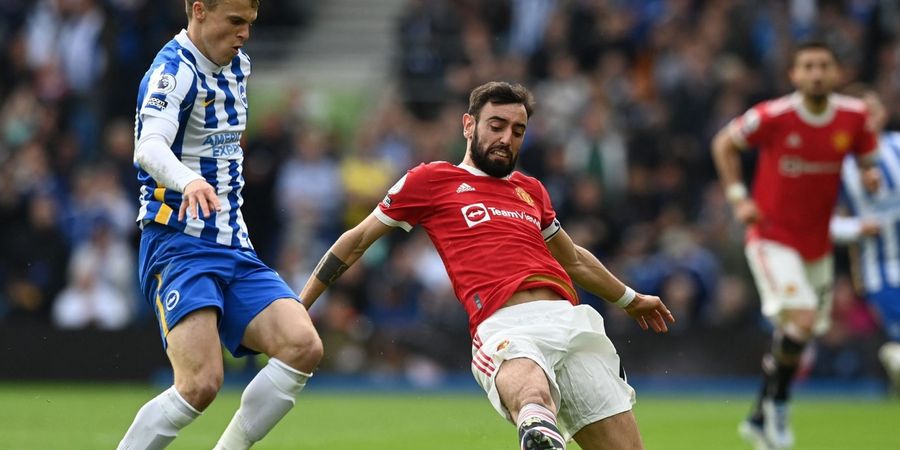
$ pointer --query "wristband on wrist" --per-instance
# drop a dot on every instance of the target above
(626, 298)
(735, 192)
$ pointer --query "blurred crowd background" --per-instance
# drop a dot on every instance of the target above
(629, 95)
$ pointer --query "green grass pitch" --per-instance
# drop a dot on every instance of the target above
(74, 417)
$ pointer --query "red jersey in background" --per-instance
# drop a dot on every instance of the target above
(799, 169)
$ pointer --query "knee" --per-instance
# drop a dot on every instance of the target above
(789, 342)
(312, 350)
(800, 325)
(301, 350)
(200, 389)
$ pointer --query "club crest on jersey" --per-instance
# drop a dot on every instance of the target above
(525, 196)
(790, 290)
(242, 93)
(475, 214)
(841, 141)
(165, 84)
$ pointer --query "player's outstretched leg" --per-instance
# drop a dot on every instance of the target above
(786, 351)
(158, 422)
(196, 356)
(752, 428)
(771, 413)
(538, 430)
(268, 398)
(781, 366)
(284, 331)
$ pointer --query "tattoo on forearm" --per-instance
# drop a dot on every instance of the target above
(330, 268)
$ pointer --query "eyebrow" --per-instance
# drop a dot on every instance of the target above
(504, 120)
(239, 18)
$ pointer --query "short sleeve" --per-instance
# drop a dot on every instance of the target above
(549, 223)
(168, 86)
(406, 201)
(866, 142)
(750, 129)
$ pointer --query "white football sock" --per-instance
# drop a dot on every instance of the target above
(268, 397)
(533, 410)
(158, 421)
(537, 416)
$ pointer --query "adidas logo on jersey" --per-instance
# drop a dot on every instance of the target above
(464, 188)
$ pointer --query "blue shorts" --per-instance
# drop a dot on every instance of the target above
(181, 273)
(888, 303)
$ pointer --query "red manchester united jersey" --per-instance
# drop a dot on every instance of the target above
(490, 232)
(799, 168)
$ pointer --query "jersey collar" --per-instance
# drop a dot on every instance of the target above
(204, 62)
(476, 171)
(807, 116)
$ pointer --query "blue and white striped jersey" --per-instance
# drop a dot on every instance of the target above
(209, 105)
(879, 255)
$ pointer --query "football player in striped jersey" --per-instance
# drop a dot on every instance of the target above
(198, 269)
(872, 223)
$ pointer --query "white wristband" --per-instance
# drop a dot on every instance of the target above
(626, 298)
(735, 192)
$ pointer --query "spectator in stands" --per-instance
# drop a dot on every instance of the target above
(102, 286)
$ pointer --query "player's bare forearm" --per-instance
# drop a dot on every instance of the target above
(585, 269)
(342, 254)
(589, 273)
(311, 292)
(726, 155)
(647, 310)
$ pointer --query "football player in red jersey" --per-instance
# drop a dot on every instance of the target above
(544, 361)
(802, 139)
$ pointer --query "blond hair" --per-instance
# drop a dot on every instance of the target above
(210, 5)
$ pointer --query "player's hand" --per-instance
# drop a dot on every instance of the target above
(746, 211)
(870, 228)
(871, 179)
(650, 312)
(198, 194)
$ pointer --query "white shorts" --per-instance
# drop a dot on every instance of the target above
(569, 343)
(785, 281)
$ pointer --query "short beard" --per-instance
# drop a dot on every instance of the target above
(496, 169)
(819, 98)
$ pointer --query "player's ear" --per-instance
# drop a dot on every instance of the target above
(468, 123)
(199, 10)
